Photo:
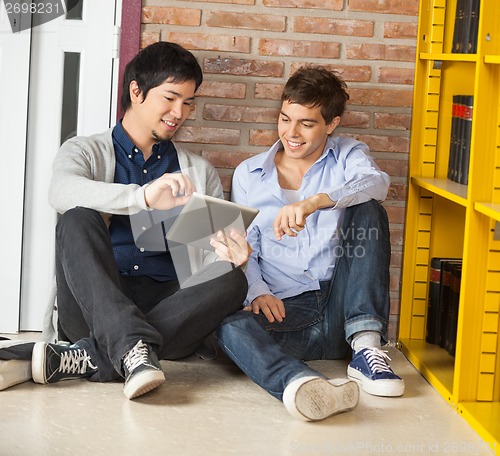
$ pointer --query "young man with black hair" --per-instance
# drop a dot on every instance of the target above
(318, 274)
(120, 303)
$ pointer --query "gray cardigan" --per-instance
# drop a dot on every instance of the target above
(83, 175)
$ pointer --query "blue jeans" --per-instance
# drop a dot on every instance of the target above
(319, 324)
(107, 313)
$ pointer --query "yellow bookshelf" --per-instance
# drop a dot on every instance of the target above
(448, 219)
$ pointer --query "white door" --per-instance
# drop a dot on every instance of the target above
(14, 77)
(71, 91)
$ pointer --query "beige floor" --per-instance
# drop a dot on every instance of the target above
(211, 408)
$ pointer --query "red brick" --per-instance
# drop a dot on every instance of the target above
(226, 177)
(268, 91)
(390, 121)
(211, 42)
(380, 97)
(397, 168)
(397, 236)
(409, 7)
(172, 16)
(233, 2)
(299, 48)
(396, 258)
(349, 73)
(231, 113)
(384, 143)
(355, 119)
(397, 192)
(241, 20)
(395, 306)
(262, 137)
(242, 67)
(367, 51)
(148, 38)
(396, 214)
(334, 5)
(224, 159)
(396, 75)
(400, 30)
(216, 89)
(395, 280)
(332, 26)
(206, 135)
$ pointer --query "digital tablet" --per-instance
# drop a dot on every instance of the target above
(204, 216)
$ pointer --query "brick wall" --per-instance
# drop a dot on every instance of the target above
(248, 48)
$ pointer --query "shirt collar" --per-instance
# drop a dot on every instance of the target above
(266, 164)
(121, 137)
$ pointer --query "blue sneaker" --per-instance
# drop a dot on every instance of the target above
(370, 369)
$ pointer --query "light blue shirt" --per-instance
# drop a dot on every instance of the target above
(346, 173)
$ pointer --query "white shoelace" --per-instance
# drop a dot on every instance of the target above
(75, 361)
(377, 360)
(136, 356)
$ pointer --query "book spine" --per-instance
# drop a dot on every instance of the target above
(457, 31)
(467, 114)
(444, 298)
(433, 312)
(452, 321)
(474, 26)
(453, 136)
(466, 44)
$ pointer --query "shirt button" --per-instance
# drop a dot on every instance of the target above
(136, 267)
(142, 249)
(136, 150)
(159, 157)
(144, 228)
(145, 171)
(130, 156)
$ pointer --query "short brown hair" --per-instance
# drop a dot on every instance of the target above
(317, 86)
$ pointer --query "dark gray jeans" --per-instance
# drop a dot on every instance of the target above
(107, 313)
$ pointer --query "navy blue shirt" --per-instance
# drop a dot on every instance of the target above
(131, 168)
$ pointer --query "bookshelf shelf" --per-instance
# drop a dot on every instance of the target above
(449, 57)
(434, 363)
(491, 210)
(448, 219)
(446, 188)
(495, 59)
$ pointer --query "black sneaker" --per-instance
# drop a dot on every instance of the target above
(51, 363)
(142, 370)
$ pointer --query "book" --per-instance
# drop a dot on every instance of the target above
(458, 27)
(432, 334)
(472, 44)
(452, 320)
(454, 137)
(460, 138)
(466, 130)
(465, 28)
(444, 299)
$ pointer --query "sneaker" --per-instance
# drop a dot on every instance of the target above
(142, 370)
(315, 398)
(370, 369)
(51, 363)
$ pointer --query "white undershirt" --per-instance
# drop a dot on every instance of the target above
(291, 195)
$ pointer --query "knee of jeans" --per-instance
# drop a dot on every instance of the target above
(241, 320)
(370, 215)
(236, 285)
(76, 219)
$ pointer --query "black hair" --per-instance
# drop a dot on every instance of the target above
(317, 86)
(157, 63)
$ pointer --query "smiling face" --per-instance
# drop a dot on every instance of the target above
(158, 116)
(303, 131)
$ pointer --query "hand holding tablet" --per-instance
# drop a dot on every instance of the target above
(204, 216)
